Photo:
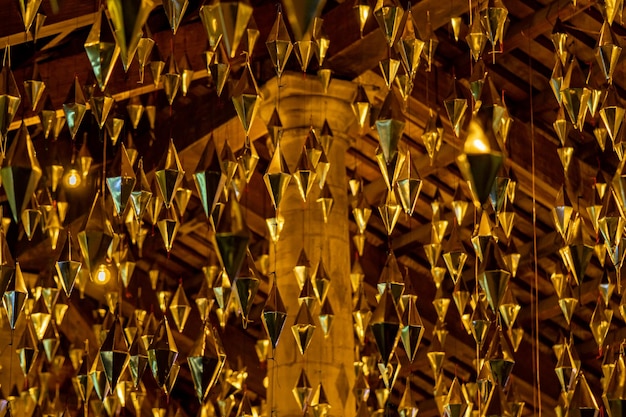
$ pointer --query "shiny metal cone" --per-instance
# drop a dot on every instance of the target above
(321, 282)
(582, 401)
(391, 170)
(169, 174)
(209, 178)
(409, 185)
(302, 390)
(304, 175)
(20, 172)
(231, 238)
(96, 236)
(326, 317)
(141, 195)
(304, 51)
(494, 283)
(219, 71)
(128, 19)
(433, 134)
(576, 258)
(363, 10)
(114, 354)
(279, 44)
(612, 114)
(74, 107)
(246, 99)
(574, 100)
(186, 74)
(390, 212)
(600, 323)
(34, 89)
(409, 46)
(67, 272)
(274, 315)
(30, 221)
(14, 297)
(246, 287)
(303, 328)
(277, 177)
(168, 228)
(144, 49)
(455, 403)
(319, 403)
(456, 108)
(175, 10)
(389, 69)
(389, 135)
(122, 181)
(607, 51)
(326, 202)
(10, 97)
(27, 349)
(301, 16)
(385, 324)
(275, 227)
(500, 358)
(412, 328)
(100, 108)
(102, 50)
(226, 22)
(28, 9)
(389, 20)
(171, 79)
(476, 39)
(47, 117)
(361, 107)
(206, 362)
(180, 308)
(162, 353)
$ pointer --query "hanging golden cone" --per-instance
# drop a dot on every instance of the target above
(389, 18)
(96, 236)
(10, 97)
(28, 10)
(156, 69)
(480, 161)
(304, 175)
(168, 226)
(303, 328)
(408, 405)
(385, 324)
(560, 40)
(600, 323)
(251, 37)
(302, 390)
(144, 49)
(231, 238)
(135, 110)
(322, 43)
(141, 195)
(20, 172)
(27, 349)
(182, 197)
(307, 295)
(612, 113)
(456, 106)
(321, 282)
(304, 51)
(389, 69)
(275, 227)
(138, 360)
(606, 287)
(39, 315)
(101, 106)
(277, 177)
(607, 51)
(162, 353)
(390, 211)
(171, 79)
(206, 362)
(568, 303)
(169, 175)
(15, 296)
(431, 42)
(433, 135)
(493, 18)
(498, 195)
(74, 107)
(301, 19)
(319, 402)
(180, 308)
(409, 185)
(493, 277)
(274, 315)
(614, 396)
(509, 308)
(175, 10)
(222, 290)
(34, 88)
(127, 20)
(326, 317)
(500, 358)
(114, 354)
(279, 44)
(455, 402)
(576, 255)
(186, 74)
(566, 368)
(391, 278)
(219, 70)
(574, 96)
(412, 328)
(361, 315)
(47, 116)
(390, 125)
(226, 21)
(476, 38)
(582, 401)
(246, 99)
(246, 287)
(67, 271)
(121, 181)
(326, 202)
(409, 46)
(361, 107)
(391, 170)
(101, 49)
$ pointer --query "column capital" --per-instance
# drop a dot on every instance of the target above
(302, 103)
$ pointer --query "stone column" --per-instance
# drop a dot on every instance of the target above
(302, 103)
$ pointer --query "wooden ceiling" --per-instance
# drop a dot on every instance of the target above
(521, 69)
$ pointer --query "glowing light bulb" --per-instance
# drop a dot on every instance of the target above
(72, 178)
(102, 275)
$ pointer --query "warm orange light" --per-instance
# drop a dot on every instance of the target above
(72, 178)
(102, 275)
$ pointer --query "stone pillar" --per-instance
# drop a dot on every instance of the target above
(301, 103)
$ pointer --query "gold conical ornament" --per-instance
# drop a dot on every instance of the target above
(171, 79)
(122, 181)
(231, 238)
(168, 226)
(302, 390)
(114, 354)
(101, 49)
(274, 315)
(479, 325)
(135, 110)
(47, 116)
(480, 161)
(246, 99)
(575, 95)
(390, 170)
(509, 308)
(27, 349)
(30, 221)
(326, 317)
(175, 10)
(246, 287)
(568, 303)
(206, 362)
(389, 18)
(20, 172)
(493, 277)
(180, 308)
(408, 405)
(455, 403)
(209, 178)
(226, 22)
(500, 358)
(412, 328)
(275, 227)
(219, 70)
(67, 271)
(431, 43)
(493, 18)
(385, 324)
(15, 296)
(169, 175)
(476, 38)
(409, 185)
(10, 97)
(277, 177)
(561, 126)
(600, 323)
(162, 353)
(302, 16)
(608, 51)
(390, 211)
(101, 106)
(74, 107)
(127, 19)
(582, 401)
(303, 328)
(144, 49)
(389, 68)
(361, 106)
(141, 195)
(326, 202)
(433, 135)
(319, 402)
(576, 255)
(612, 113)
(322, 43)
(561, 41)
(363, 10)
(34, 88)
(247, 160)
(279, 44)
(455, 255)
(96, 236)
(391, 278)
(456, 106)
(321, 282)
(304, 51)
(390, 125)
(304, 175)
(409, 46)
(28, 10)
